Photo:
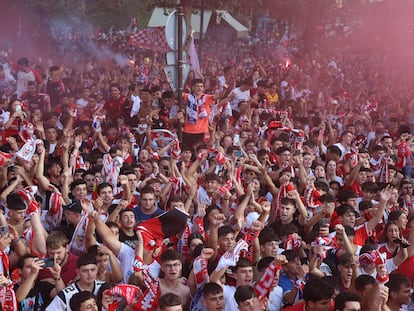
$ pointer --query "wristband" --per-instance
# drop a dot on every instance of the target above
(16, 241)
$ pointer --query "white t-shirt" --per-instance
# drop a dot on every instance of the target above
(275, 299)
(82, 102)
(23, 79)
(230, 303)
(126, 258)
(62, 299)
(238, 96)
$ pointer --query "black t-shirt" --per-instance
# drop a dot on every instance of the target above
(278, 224)
(130, 240)
(38, 297)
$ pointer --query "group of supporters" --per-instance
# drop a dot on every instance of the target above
(279, 183)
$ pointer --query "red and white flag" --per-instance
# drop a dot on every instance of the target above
(151, 38)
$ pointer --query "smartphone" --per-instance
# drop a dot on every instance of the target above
(238, 153)
(4, 230)
(49, 262)
(236, 140)
(324, 222)
(18, 108)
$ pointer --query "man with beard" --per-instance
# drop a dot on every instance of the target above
(57, 248)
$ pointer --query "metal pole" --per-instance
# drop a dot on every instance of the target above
(180, 65)
(200, 47)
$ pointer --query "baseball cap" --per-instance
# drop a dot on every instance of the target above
(75, 206)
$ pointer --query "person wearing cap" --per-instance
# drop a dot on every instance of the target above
(73, 215)
(16, 211)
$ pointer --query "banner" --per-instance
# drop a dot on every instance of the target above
(151, 38)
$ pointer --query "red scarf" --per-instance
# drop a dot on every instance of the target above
(149, 299)
(126, 291)
(264, 285)
(7, 295)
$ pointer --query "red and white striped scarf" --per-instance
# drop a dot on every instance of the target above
(250, 237)
(7, 295)
(264, 285)
(200, 272)
(384, 169)
(312, 197)
(149, 299)
(126, 291)
(111, 168)
(55, 212)
(4, 156)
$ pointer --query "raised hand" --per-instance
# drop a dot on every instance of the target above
(207, 253)
(123, 179)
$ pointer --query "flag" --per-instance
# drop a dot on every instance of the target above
(193, 57)
(163, 226)
(383, 169)
(4, 156)
(151, 38)
(77, 245)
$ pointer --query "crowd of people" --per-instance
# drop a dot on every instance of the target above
(283, 182)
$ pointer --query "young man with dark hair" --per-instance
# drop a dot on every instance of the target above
(269, 243)
(213, 297)
(242, 273)
(170, 302)
(83, 301)
(317, 296)
(171, 266)
(78, 189)
(86, 268)
(347, 216)
(30, 292)
(196, 119)
(348, 302)
(246, 299)
(288, 208)
(399, 291)
(147, 208)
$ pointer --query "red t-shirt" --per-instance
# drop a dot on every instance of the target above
(68, 272)
(301, 306)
